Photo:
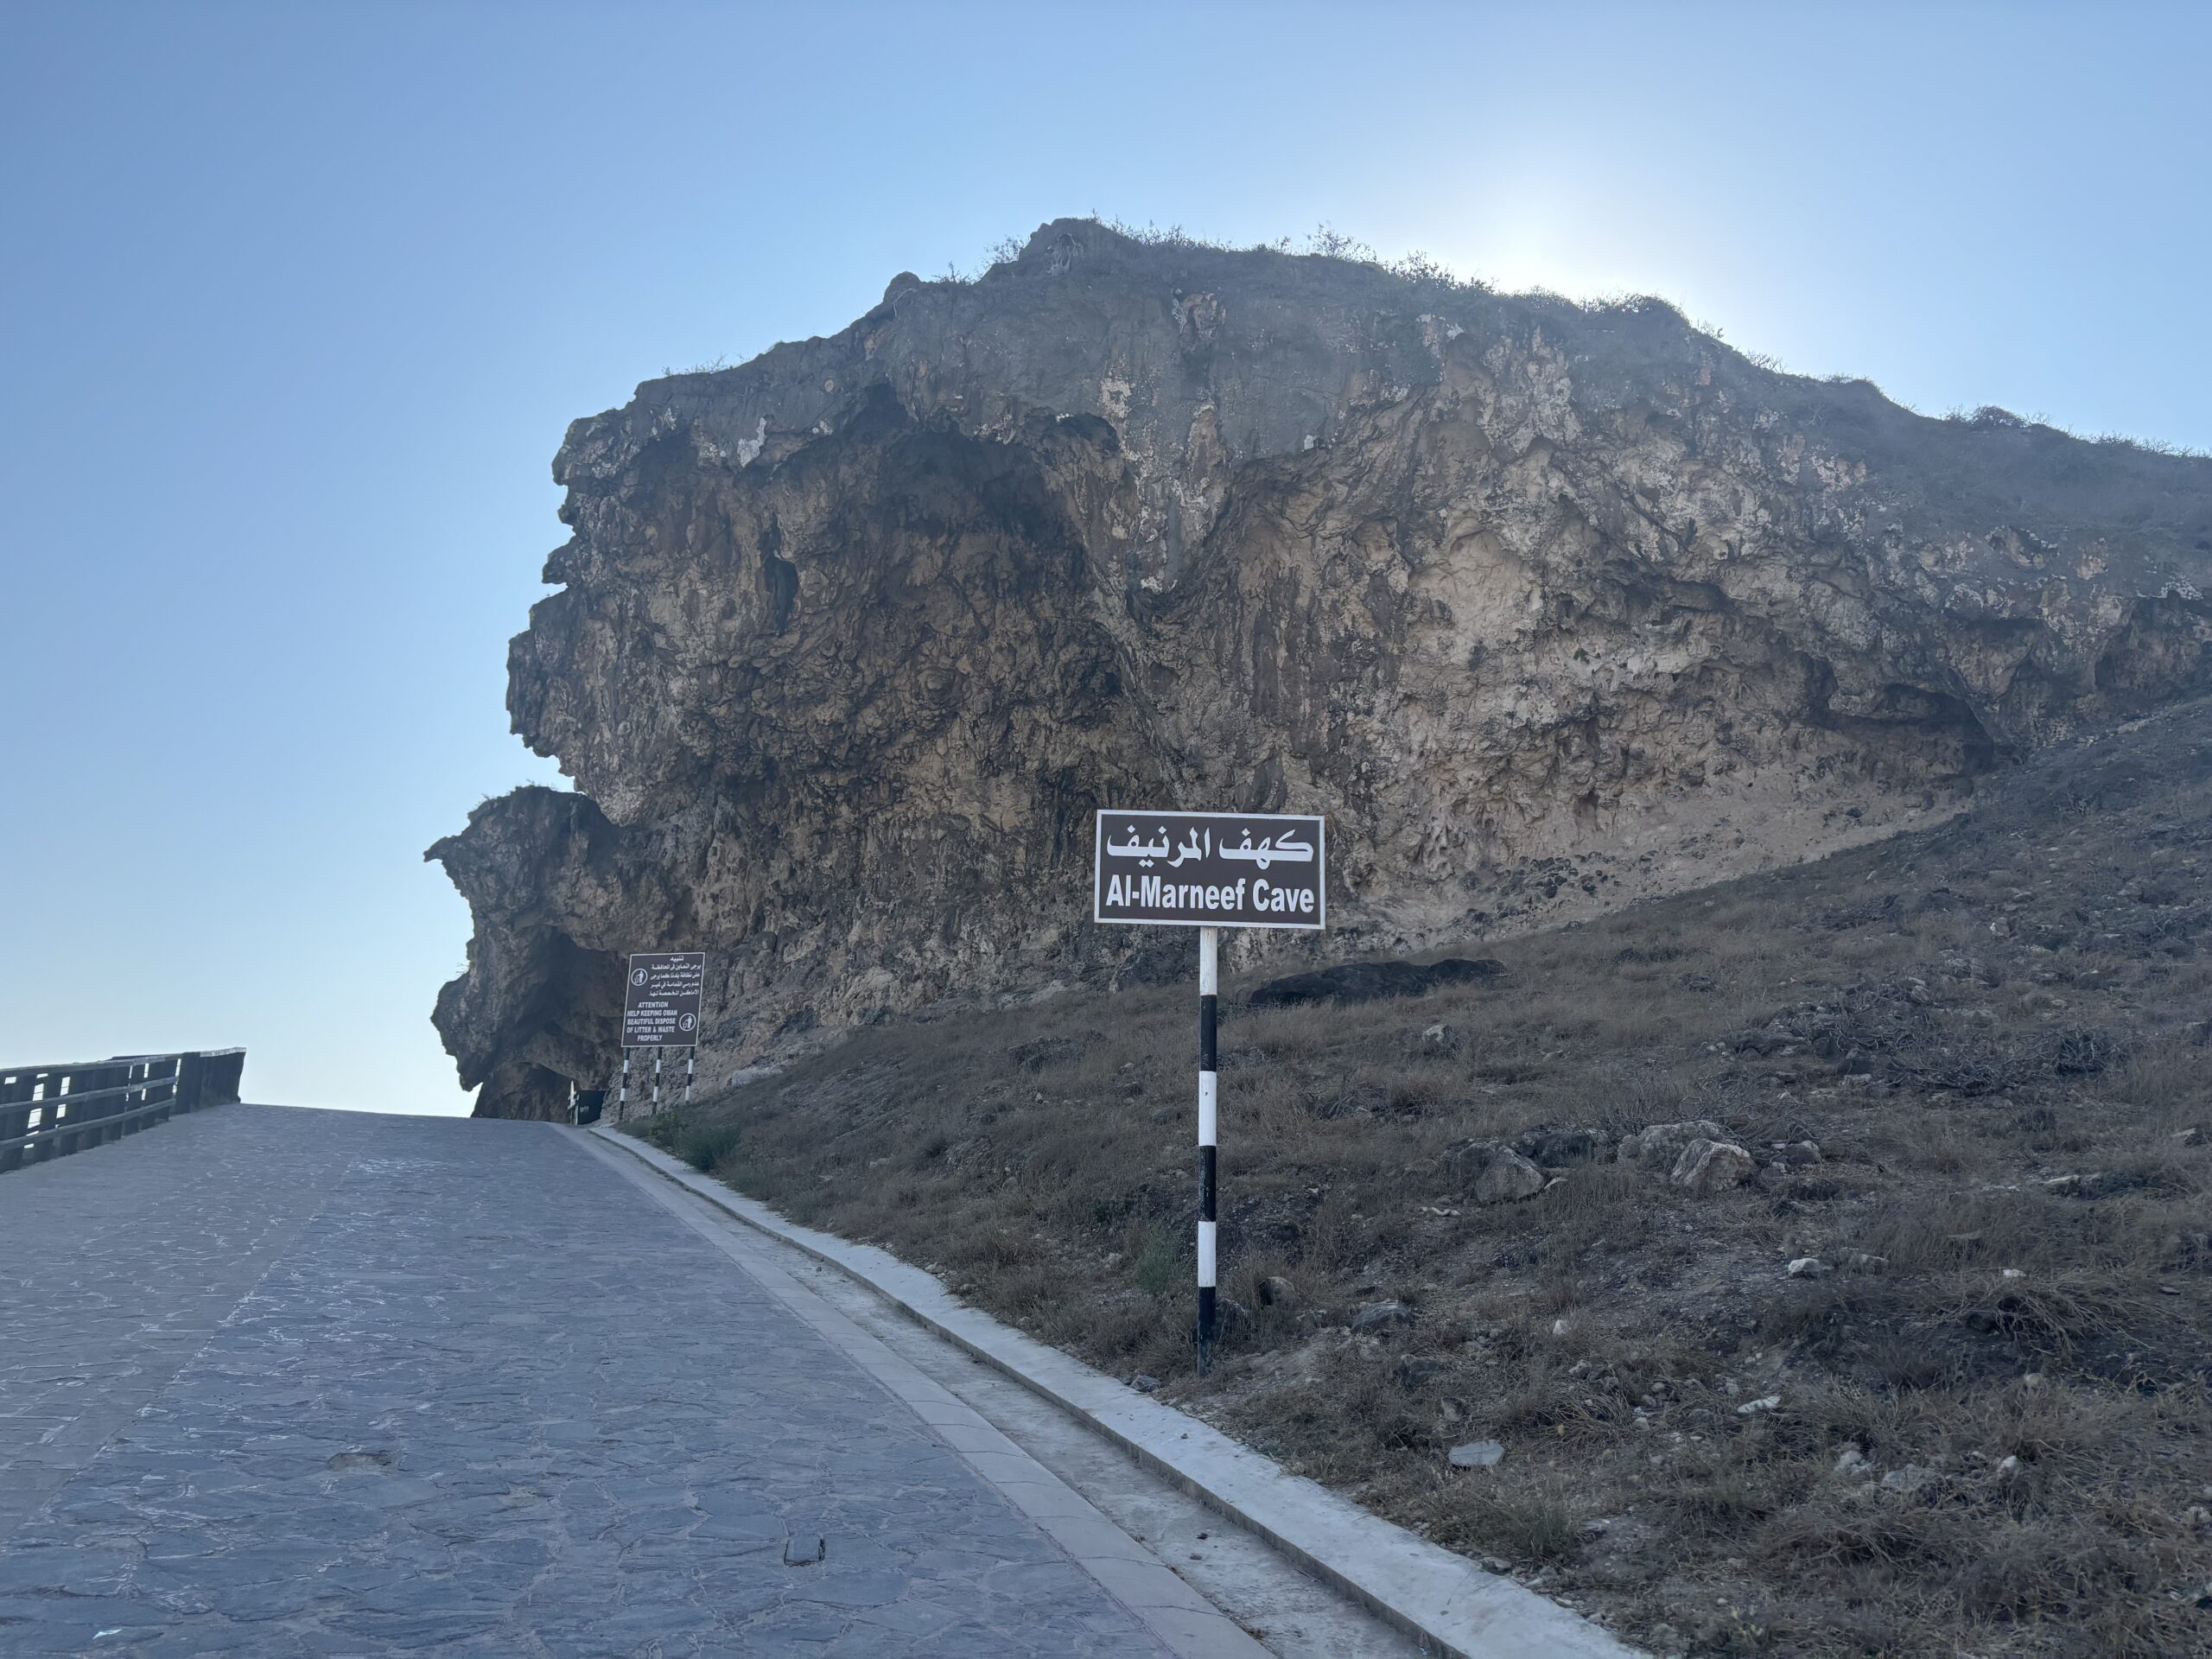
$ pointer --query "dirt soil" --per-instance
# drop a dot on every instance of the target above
(1971, 1072)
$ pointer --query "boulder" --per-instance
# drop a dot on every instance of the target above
(1507, 1177)
(1558, 1149)
(1662, 1143)
(1476, 1454)
(1381, 1316)
(1712, 1166)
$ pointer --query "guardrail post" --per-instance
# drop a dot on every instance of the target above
(118, 1106)
(191, 1076)
(15, 1090)
(225, 1079)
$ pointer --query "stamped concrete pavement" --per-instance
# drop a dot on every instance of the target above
(279, 1381)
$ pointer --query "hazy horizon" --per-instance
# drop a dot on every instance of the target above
(301, 300)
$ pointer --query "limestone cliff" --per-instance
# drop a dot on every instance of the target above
(1547, 607)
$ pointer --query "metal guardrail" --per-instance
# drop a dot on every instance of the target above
(47, 1111)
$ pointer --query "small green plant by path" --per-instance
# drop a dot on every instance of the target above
(1534, 1528)
(704, 1145)
(1158, 1267)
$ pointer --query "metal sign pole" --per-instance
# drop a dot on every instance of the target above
(1209, 996)
(572, 1103)
(656, 1080)
(622, 1099)
(690, 1055)
(1210, 870)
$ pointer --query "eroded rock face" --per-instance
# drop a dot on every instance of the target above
(1546, 607)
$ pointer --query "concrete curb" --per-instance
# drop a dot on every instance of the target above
(1423, 1589)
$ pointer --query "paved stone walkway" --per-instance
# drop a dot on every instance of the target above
(278, 1382)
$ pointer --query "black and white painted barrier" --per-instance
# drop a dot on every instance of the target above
(1210, 870)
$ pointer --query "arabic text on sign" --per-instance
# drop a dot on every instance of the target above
(1199, 844)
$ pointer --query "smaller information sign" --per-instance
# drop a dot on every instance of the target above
(660, 1001)
(1210, 869)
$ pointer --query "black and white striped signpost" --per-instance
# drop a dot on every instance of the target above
(1209, 1129)
(1210, 870)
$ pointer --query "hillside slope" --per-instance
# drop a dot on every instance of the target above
(1971, 1066)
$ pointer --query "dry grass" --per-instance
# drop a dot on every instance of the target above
(1956, 1020)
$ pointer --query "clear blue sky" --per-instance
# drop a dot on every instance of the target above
(295, 302)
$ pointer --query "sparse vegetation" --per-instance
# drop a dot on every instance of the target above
(1160, 1264)
(1981, 1425)
(1323, 241)
(705, 1145)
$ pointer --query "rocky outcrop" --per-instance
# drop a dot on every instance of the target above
(1547, 607)
(1367, 982)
